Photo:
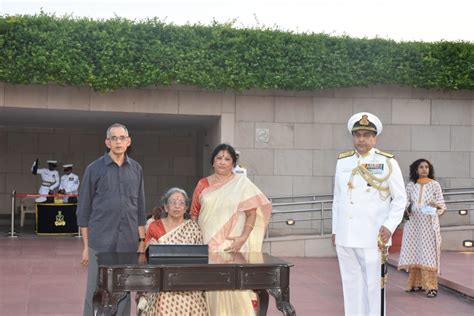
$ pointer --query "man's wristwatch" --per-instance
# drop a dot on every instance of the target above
(141, 239)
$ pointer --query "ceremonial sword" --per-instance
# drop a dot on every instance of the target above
(383, 272)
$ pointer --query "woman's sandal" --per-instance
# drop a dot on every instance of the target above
(432, 293)
(414, 289)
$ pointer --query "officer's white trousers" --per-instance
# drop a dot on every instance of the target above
(42, 190)
(360, 274)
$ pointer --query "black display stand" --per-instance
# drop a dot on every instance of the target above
(56, 219)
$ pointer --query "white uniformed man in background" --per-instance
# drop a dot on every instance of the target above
(49, 180)
(69, 184)
(369, 200)
(238, 169)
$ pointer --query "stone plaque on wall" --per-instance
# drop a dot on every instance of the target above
(262, 135)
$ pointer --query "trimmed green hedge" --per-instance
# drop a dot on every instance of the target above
(120, 53)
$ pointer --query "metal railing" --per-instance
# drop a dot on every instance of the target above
(317, 205)
(321, 201)
(316, 197)
(447, 190)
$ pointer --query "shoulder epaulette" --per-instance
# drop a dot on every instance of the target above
(384, 154)
(346, 154)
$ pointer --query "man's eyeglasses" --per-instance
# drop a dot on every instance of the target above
(176, 203)
(117, 138)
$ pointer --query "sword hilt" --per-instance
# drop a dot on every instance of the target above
(383, 249)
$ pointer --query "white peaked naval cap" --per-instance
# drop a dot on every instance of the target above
(364, 121)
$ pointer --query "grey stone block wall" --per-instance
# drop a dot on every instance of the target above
(313, 136)
(472, 165)
(332, 110)
(451, 112)
(307, 185)
(2, 182)
(294, 109)
(168, 159)
(281, 135)
(288, 140)
(293, 162)
(462, 138)
(436, 125)
(411, 111)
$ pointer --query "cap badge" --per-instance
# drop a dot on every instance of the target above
(364, 121)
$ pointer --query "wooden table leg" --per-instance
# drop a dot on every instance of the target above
(105, 304)
(282, 298)
(263, 302)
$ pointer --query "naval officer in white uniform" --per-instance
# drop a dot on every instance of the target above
(369, 200)
(49, 180)
(69, 184)
(238, 169)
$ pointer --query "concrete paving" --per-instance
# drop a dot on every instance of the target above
(457, 270)
(42, 276)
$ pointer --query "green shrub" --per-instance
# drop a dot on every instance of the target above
(119, 53)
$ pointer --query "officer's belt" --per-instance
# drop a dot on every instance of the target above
(47, 184)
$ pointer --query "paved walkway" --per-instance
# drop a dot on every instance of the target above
(457, 271)
(42, 276)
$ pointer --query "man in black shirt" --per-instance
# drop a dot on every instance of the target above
(111, 209)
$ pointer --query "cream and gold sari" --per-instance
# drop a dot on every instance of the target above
(222, 215)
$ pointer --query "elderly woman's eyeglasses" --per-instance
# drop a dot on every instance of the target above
(176, 203)
(117, 138)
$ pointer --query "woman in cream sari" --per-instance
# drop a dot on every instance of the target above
(173, 229)
(233, 215)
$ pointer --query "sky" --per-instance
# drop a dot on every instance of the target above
(400, 20)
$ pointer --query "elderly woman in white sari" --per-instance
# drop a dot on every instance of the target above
(233, 215)
(173, 229)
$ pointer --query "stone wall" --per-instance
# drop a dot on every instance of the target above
(303, 132)
(288, 140)
(168, 158)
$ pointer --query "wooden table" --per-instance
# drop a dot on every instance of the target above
(120, 273)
